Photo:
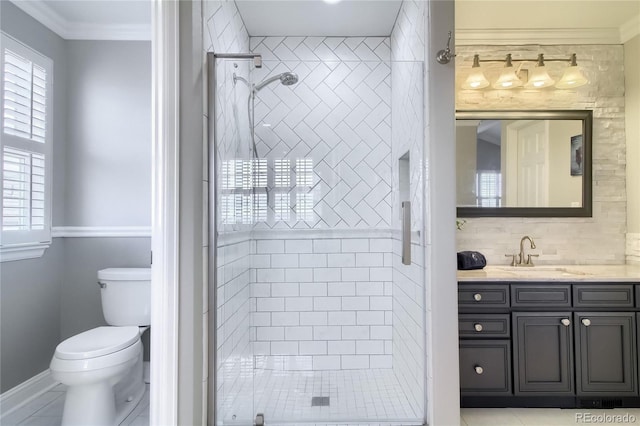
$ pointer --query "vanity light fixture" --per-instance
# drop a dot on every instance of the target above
(539, 79)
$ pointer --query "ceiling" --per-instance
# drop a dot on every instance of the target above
(481, 21)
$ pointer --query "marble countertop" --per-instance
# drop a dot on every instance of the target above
(560, 273)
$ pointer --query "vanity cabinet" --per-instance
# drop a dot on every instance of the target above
(541, 344)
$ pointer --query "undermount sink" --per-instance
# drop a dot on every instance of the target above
(540, 270)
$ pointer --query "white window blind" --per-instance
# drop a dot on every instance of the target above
(26, 89)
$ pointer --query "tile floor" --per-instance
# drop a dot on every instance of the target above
(46, 410)
(547, 416)
(355, 396)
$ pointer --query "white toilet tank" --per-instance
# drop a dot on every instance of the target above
(126, 295)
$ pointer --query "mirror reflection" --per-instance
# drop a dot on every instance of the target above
(519, 163)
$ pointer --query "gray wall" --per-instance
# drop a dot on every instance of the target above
(30, 289)
(108, 176)
(101, 177)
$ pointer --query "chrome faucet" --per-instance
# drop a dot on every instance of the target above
(521, 260)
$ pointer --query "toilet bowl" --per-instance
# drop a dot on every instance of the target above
(102, 367)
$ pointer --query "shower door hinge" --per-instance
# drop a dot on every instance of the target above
(259, 419)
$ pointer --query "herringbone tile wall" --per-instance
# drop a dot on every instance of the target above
(337, 118)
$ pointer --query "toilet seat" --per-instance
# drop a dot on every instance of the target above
(97, 342)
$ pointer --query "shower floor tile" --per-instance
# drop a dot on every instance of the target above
(353, 396)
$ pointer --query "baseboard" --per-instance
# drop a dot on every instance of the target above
(25, 392)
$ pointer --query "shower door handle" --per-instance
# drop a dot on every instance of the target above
(406, 232)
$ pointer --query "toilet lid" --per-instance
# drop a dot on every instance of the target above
(97, 342)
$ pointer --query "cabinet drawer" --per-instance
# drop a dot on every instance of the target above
(606, 295)
(484, 325)
(541, 295)
(638, 296)
(485, 367)
(495, 296)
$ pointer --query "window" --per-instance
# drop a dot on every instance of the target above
(25, 152)
(489, 188)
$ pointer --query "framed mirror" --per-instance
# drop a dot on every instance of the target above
(523, 163)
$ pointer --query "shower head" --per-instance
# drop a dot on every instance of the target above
(286, 79)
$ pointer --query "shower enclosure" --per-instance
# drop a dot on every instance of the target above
(316, 219)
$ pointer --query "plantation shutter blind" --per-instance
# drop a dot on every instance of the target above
(26, 89)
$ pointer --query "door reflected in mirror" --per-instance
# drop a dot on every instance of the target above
(523, 163)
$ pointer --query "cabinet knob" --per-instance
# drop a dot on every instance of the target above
(479, 370)
(565, 322)
(478, 327)
(586, 322)
(477, 297)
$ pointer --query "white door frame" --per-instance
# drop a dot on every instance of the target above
(164, 224)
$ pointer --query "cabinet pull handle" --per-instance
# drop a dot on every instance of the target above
(478, 327)
(565, 322)
(477, 297)
(479, 370)
(586, 322)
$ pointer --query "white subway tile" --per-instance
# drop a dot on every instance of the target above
(388, 289)
(270, 275)
(284, 348)
(388, 260)
(285, 318)
(270, 246)
(261, 319)
(270, 333)
(342, 347)
(355, 332)
(270, 304)
(297, 363)
(326, 362)
(313, 260)
(388, 347)
(312, 348)
(380, 361)
(341, 260)
(284, 289)
(299, 304)
(381, 274)
(388, 318)
(354, 362)
(327, 304)
(355, 274)
(369, 347)
(298, 275)
(357, 303)
(342, 289)
(260, 290)
(342, 318)
(326, 246)
(260, 261)
(381, 332)
(298, 333)
(328, 332)
(313, 289)
(355, 245)
(380, 245)
(369, 259)
(370, 318)
(380, 303)
(315, 318)
(326, 274)
(261, 348)
(370, 289)
(284, 261)
(298, 246)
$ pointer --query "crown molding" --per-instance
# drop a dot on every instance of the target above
(538, 36)
(630, 29)
(69, 30)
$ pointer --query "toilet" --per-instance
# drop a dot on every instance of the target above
(102, 367)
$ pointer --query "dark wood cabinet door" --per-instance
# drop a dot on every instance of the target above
(606, 353)
(485, 367)
(543, 353)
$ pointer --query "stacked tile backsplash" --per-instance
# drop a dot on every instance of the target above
(596, 240)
